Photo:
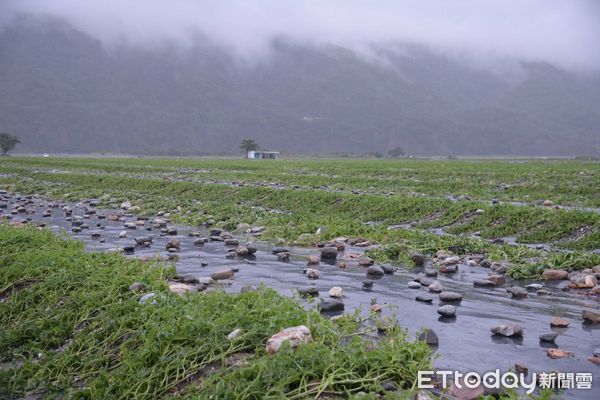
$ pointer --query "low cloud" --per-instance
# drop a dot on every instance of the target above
(564, 33)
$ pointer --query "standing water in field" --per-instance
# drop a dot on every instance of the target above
(465, 340)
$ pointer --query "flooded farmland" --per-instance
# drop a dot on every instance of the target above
(465, 340)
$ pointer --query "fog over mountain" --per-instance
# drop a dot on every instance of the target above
(435, 77)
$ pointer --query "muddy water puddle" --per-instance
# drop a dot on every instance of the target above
(465, 342)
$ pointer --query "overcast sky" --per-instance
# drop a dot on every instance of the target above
(565, 33)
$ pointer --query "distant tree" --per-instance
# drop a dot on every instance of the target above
(248, 145)
(372, 154)
(396, 152)
(8, 142)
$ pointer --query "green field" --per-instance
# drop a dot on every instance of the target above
(71, 328)
(351, 198)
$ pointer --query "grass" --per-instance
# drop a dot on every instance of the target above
(566, 182)
(71, 328)
(317, 193)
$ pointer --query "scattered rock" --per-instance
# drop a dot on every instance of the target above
(497, 279)
(483, 283)
(295, 335)
(453, 260)
(336, 292)
(591, 317)
(205, 281)
(521, 369)
(500, 268)
(283, 256)
(280, 250)
(534, 286)
(429, 337)
(424, 299)
(559, 322)
(187, 279)
(329, 253)
(583, 281)
(548, 337)
(435, 287)
(173, 244)
(548, 203)
(248, 289)
(389, 386)
(159, 223)
(312, 260)
(555, 274)
(137, 287)
(143, 240)
(558, 353)
(130, 225)
(418, 259)
(465, 392)
(222, 274)
(365, 261)
(312, 273)
(517, 292)
(199, 242)
(122, 234)
(376, 308)
(251, 248)
(387, 269)
(507, 330)
(450, 296)
(230, 254)
(448, 269)
(375, 271)
(181, 288)
(424, 281)
(145, 298)
(447, 311)
(432, 273)
(234, 334)
(414, 285)
(385, 324)
(308, 292)
(241, 251)
(331, 305)
(340, 246)
(367, 284)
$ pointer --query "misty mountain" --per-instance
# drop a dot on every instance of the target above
(63, 91)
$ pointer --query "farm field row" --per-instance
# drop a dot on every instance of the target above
(401, 223)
